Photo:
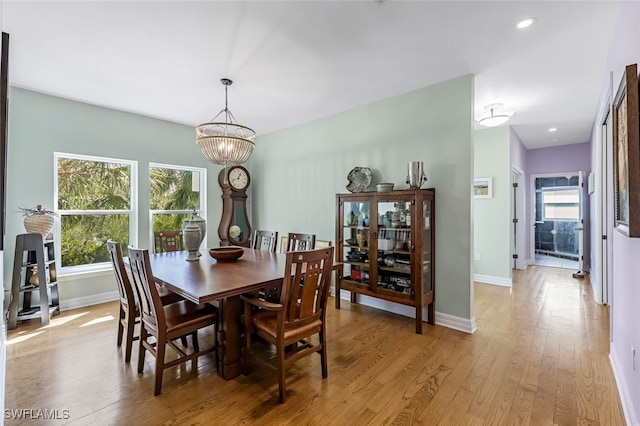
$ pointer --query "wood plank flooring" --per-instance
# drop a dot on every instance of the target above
(539, 357)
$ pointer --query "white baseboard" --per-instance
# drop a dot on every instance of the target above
(490, 279)
(630, 415)
(95, 299)
(445, 320)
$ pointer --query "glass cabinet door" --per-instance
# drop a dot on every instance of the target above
(427, 275)
(394, 248)
(356, 233)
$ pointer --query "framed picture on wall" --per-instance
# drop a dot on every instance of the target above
(626, 154)
(483, 187)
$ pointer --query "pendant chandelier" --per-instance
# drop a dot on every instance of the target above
(226, 143)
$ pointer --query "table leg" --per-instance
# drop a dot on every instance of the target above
(230, 338)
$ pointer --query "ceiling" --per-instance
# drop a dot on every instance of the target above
(296, 61)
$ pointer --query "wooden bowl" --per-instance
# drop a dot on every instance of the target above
(226, 254)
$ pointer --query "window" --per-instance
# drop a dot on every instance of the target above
(561, 204)
(174, 192)
(96, 200)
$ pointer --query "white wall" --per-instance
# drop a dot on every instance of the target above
(492, 219)
(297, 172)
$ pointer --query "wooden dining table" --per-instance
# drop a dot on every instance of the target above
(207, 280)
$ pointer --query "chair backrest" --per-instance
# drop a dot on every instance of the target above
(298, 242)
(305, 291)
(323, 244)
(167, 241)
(265, 240)
(122, 278)
(150, 304)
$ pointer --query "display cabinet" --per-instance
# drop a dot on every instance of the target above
(34, 271)
(386, 241)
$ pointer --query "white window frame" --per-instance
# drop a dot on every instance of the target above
(132, 212)
(202, 182)
(543, 191)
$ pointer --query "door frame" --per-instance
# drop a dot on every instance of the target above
(518, 206)
(532, 211)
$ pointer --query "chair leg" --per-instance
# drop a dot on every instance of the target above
(323, 353)
(281, 379)
(160, 348)
(120, 327)
(184, 342)
(131, 322)
(141, 351)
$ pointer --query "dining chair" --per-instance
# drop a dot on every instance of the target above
(166, 323)
(265, 240)
(129, 314)
(298, 242)
(299, 316)
(165, 241)
(323, 244)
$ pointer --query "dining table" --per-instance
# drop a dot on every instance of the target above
(207, 280)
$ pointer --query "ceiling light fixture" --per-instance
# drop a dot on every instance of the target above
(525, 23)
(226, 143)
(494, 115)
(553, 129)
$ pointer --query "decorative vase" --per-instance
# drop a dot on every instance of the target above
(34, 280)
(415, 174)
(39, 222)
(194, 229)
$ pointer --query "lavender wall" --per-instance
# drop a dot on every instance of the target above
(565, 158)
(562, 159)
(625, 300)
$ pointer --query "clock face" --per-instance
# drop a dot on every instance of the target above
(238, 178)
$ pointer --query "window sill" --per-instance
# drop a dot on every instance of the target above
(81, 275)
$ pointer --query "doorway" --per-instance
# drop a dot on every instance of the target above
(557, 234)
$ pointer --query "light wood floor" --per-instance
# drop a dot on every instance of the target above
(539, 357)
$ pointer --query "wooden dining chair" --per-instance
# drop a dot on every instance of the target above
(166, 323)
(165, 241)
(129, 309)
(299, 316)
(298, 242)
(264, 240)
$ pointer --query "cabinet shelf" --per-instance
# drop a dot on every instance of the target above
(410, 280)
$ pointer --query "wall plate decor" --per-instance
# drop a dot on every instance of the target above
(359, 179)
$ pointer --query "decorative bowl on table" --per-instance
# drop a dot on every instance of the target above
(226, 254)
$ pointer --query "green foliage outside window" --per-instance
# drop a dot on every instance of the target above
(94, 202)
(95, 187)
(171, 189)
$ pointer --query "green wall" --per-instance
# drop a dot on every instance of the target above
(492, 215)
(40, 124)
(297, 172)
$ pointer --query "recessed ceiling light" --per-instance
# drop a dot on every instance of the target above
(553, 129)
(525, 23)
(555, 140)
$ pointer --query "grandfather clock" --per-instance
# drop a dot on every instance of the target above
(234, 228)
